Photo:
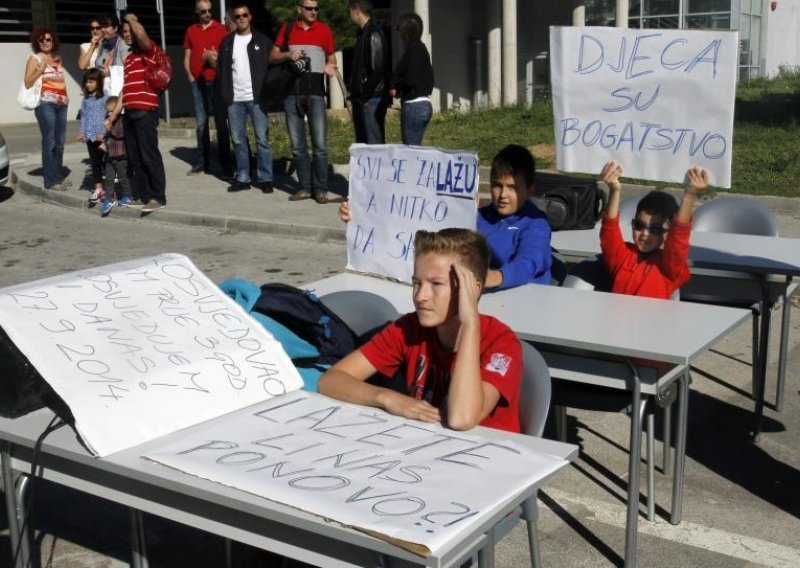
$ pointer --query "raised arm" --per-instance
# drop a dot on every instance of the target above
(469, 399)
(695, 183)
(139, 33)
(85, 57)
(611, 173)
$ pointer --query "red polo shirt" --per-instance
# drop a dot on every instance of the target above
(199, 40)
(317, 34)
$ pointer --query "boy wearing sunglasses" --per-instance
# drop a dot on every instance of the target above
(655, 263)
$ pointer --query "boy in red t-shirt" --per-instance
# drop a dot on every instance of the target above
(461, 368)
(644, 268)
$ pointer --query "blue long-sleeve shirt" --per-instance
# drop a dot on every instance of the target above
(519, 243)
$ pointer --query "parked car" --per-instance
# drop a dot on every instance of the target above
(4, 161)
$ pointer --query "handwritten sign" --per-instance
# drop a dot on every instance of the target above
(140, 349)
(408, 480)
(396, 190)
(657, 101)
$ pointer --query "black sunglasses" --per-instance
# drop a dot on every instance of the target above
(655, 230)
(95, 28)
(241, 16)
(310, 8)
(204, 11)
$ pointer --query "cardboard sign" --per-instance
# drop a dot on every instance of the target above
(657, 101)
(140, 349)
(407, 480)
(396, 190)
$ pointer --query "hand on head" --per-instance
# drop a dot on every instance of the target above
(468, 293)
(611, 173)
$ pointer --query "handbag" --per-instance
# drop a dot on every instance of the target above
(27, 98)
(280, 78)
(568, 202)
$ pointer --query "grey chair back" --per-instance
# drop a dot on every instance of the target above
(361, 311)
(735, 215)
(534, 401)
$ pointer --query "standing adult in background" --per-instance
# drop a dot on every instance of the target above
(200, 46)
(51, 114)
(242, 68)
(89, 50)
(412, 81)
(111, 55)
(310, 38)
(140, 121)
(369, 78)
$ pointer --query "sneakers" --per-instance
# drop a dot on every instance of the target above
(265, 186)
(238, 186)
(96, 196)
(137, 204)
(106, 207)
(125, 201)
(153, 205)
(196, 169)
(300, 194)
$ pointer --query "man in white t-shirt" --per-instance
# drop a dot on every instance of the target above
(241, 69)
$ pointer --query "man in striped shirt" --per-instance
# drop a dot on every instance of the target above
(140, 121)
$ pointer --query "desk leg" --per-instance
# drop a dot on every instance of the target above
(763, 360)
(13, 512)
(786, 313)
(138, 542)
(486, 553)
(634, 466)
(680, 448)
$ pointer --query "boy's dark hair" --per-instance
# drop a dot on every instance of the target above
(39, 33)
(410, 27)
(364, 6)
(109, 20)
(95, 75)
(658, 203)
(514, 160)
(471, 248)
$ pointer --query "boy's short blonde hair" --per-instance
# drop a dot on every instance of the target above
(111, 101)
(471, 248)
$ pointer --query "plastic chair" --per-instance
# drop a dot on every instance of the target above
(748, 217)
(361, 311)
(534, 405)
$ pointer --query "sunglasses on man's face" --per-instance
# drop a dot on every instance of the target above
(241, 16)
(201, 12)
(655, 230)
(310, 8)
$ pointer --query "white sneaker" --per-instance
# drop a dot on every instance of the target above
(96, 196)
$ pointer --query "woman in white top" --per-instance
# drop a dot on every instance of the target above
(89, 50)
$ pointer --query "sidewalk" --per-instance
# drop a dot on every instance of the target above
(202, 200)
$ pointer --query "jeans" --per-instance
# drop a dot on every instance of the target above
(145, 166)
(414, 118)
(52, 119)
(296, 107)
(237, 114)
(206, 101)
(369, 119)
(117, 167)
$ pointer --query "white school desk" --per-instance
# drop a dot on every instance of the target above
(128, 479)
(566, 319)
(771, 261)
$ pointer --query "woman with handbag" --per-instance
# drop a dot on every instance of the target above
(45, 64)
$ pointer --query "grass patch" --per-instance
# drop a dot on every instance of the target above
(766, 138)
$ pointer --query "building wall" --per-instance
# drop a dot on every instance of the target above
(782, 37)
(12, 66)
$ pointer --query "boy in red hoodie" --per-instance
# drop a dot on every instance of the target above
(644, 268)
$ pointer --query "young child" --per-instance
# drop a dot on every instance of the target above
(460, 367)
(93, 113)
(644, 268)
(116, 163)
(516, 230)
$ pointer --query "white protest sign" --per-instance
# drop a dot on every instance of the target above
(396, 190)
(140, 349)
(409, 480)
(657, 101)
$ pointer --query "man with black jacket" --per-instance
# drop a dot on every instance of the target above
(242, 67)
(369, 79)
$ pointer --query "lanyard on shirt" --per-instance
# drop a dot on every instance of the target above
(420, 378)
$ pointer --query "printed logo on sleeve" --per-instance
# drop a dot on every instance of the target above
(499, 363)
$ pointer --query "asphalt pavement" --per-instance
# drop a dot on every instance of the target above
(742, 500)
